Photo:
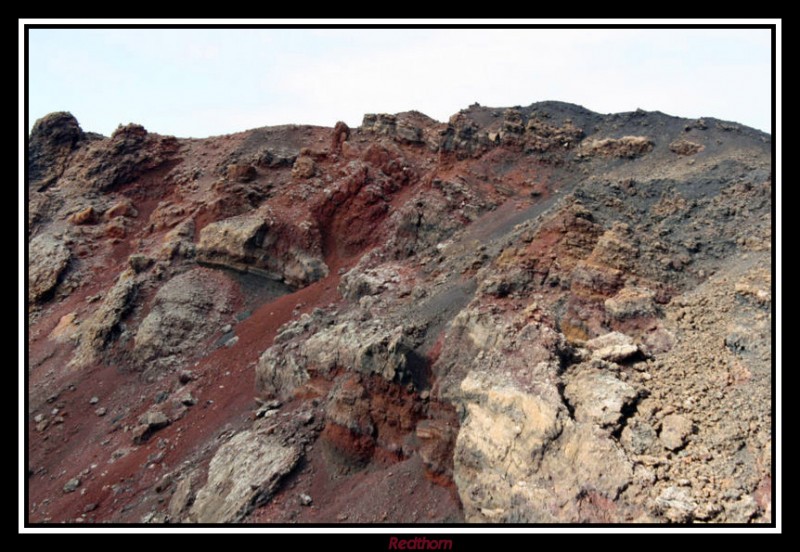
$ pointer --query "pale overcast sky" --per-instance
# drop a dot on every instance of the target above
(199, 83)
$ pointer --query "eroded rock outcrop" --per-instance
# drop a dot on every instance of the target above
(103, 325)
(185, 311)
(243, 474)
(371, 348)
(265, 244)
(52, 141)
(47, 261)
(535, 314)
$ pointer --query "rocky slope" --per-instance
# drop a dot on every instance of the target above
(525, 315)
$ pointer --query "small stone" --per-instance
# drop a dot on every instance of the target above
(85, 216)
(155, 458)
(232, 341)
(675, 430)
(265, 411)
(612, 347)
(676, 504)
(425, 395)
(164, 483)
(91, 507)
(186, 376)
(139, 263)
(140, 434)
(72, 485)
(101, 411)
(154, 419)
(226, 328)
(161, 396)
(38, 418)
(94, 400)
(187, 399)
(305, 500)
(271, 404)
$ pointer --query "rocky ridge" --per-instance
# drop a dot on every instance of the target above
(528, 315)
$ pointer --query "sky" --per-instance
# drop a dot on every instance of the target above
(205, 82)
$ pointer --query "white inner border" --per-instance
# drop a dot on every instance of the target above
(409, 531)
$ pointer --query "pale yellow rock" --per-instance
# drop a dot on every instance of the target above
(243, 474)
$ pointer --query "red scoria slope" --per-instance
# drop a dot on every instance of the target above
(536, 314)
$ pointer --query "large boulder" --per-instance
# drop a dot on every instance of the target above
(626, 147)
(368, 348)
(51, 142)
(185, 311)
(103, 325)
(48, 258)
(244, 474)
(265, 244)
(501, 441)
(598, 396)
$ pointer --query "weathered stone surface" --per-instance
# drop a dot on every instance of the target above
(182, 497)
(348, 406)
(596, 461)
(235, 240)
(150, 422)
(631, 302)
(183, 314)
(340, 134)
(675, 430)
(638, 436)
(139, 263)
(122, 208)
(84, 216)
(241, 173)
(154, 419)
(474, 260)
(598, 397)
(369, 348)
(72, 485)
(304, 167)
(47, 261)
(612, 347)
(685, 147)
(243, 474)
(676, 504)
(503, 439)
(356, 283)
(437, 438)
(625, 147)
(259, 243)
(103, 326)
(52, 141)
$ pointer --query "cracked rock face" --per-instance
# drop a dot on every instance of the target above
(185, 311)
(598, 397)
(263, 244)
(243, 474)
(48, 260)
(531, 314)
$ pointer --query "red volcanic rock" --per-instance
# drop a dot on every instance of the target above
(531, 314)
